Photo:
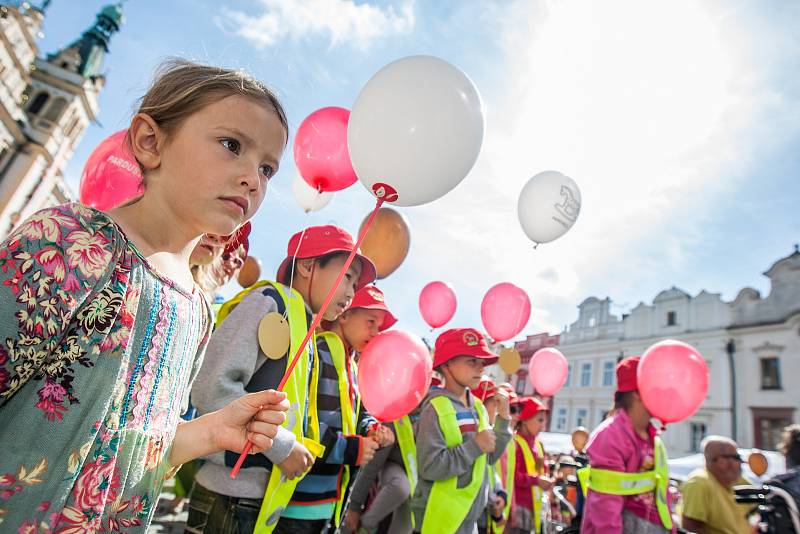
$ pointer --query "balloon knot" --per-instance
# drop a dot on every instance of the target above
(385, 192)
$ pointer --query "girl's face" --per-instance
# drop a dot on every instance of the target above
(323, 278)
(233, 262)
(535, 424)
(360, 326)
(213, 170)
(466, 370)
(207, 250)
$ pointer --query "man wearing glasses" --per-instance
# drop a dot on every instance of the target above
(709, 506)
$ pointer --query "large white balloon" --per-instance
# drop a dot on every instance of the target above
(307, 197)
(417, 125)
(548, 206)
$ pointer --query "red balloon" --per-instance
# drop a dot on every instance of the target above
(547, 371)
(320, 150)
(505, 311)
(673, 380)
(111, 175)
(394, 374)
(437, 303)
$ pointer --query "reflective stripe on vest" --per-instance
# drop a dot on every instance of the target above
(448, 505)
(408, 450)
(621, 483)
(530, 469)
(279, 490)
(338, 356)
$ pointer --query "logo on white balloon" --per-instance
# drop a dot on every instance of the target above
(569, 208)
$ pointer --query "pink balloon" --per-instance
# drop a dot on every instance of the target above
(673, 380)
(547, 371)
(111, 175)
(505, 311)
(320, 150)
(394, 374)
(437, 303)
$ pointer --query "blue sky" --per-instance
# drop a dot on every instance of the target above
(679, 120)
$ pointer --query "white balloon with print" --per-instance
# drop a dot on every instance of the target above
(416, 126)
(548, 206)
(307, 197)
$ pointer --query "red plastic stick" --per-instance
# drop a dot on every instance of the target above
(314, 324)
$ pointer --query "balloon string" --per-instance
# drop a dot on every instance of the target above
(314, 324)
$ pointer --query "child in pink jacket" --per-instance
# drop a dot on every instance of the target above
(623, 442)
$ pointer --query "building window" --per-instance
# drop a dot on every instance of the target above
(586, 374)
(608, 373)
(521, 384)
(592, 322)
(568, 382)
(561, 419)
(582, 417)
(770, 373)
(56, 109)
(672, 318)
(38, 103)
(698, 433)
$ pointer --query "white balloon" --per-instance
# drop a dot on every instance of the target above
(307, 197)
(417, 125)
(548, 206)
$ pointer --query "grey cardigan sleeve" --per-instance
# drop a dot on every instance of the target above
(502, 434)
(436, 461)
(230, 361)
(367, 475)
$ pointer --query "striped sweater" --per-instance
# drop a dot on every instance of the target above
(316, 494)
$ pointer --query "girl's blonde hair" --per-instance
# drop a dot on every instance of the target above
(182, 87)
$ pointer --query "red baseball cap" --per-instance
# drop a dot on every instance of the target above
(436, 381)
(370, 297)
(462, 342)
(239, 238)
(486, 389)
(530, 406)
(626, 374)
(321, 240)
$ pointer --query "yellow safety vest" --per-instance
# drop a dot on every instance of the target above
(530, 468)
(408, 449)
(279, 490)
(621, 483)
(338, 356)
(508, 482)
(448, 505)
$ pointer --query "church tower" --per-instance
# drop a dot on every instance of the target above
(46, 104)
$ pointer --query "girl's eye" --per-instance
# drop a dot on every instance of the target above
(267, 171)
(231, 144)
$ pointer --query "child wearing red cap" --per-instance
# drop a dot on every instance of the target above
(625, 452)
(529, 473)
(236, 363)
(216, 260)
(455, 442)
(349, 434)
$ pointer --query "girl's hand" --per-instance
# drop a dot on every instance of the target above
(384, 436)
(503, 409)
(254, 417)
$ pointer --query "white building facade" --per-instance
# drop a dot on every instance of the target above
(761, 337)
(46, 104)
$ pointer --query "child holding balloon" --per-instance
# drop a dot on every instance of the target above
(625, 452)
(349, 434)
(454, 438)
(493, 520)
(529, 477)
(246, 354)
(102, 328)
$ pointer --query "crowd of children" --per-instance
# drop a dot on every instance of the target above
(106, 335)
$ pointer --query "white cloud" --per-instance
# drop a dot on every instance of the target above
(643, 104)
(342, 21)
